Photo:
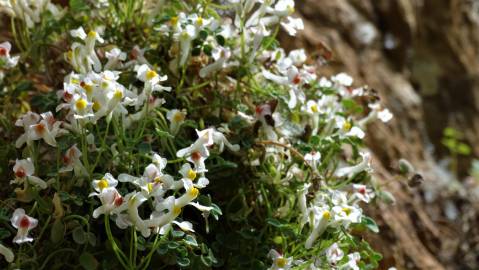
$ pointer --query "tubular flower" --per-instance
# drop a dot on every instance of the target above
(7, 61)
(108, 181)
(72, 162)
(110, 200)
(279, 261)
(24, 170)
(320, 218)
(24, 224)
(176, 118)
(364, 165)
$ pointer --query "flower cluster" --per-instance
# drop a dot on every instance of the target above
(200, 105)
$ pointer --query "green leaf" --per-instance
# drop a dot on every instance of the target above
(177, 234)
(58, 231)
(88, 262)
(463, 149)
(370, 224)
(274, 222)
(387, 197)
(79, 235)
(207, 49)
(77, 6)
(183, 262)
(164, 134)
(173, 245)
(221, 40)
(203, 35)
(92, 239)
(190, 240)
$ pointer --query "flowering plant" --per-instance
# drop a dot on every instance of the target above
(187, 126)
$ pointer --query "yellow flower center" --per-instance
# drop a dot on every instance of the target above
(174, 20)
(193, 192)
(118, 94)
(80, 104)
(150, 187)
(176, 210)
(75, 81)
(150, 74)
(347, 211)
(347, 126)
(326, 214)
(199, 21)
(88, 88)
(314, 108)
(179, 117)
(191, 174)
(290, 9)
(281, 262)
(104, 84)
(92, 34)
(102, 184)
(96, 106)
(132, 200)
(157, 180)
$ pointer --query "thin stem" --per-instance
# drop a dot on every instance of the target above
(119, 254)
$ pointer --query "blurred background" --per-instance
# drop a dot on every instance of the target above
(422, 57)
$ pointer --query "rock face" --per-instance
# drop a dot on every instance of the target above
(422, 56)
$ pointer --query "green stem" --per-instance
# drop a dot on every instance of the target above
(119, 254)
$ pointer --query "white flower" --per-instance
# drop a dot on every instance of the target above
(151, 79)
(297, 57)
(176, 118)
(346, 214)
(24, 224)
(110, 200)
(279, 261)
(334, 254)
(78, 33)
(7, 253)
(24, 170)
(343, 79)
(108, 181)
(319, 220)
(188, 173)
(5, 59)
(115, 56)
(293, 25)
(220, 55)
(385, 115)
(302, 202)
(282, 8)
(362, 193)
(347, 129)
(133, 201)
(185, 36)
(325, 83)
(364, 165)
(312, 107)
(72, 162)
(184, 225)
(47, 129)
(313, 159)
(212, 136)
(83, 57)
(376, 112)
